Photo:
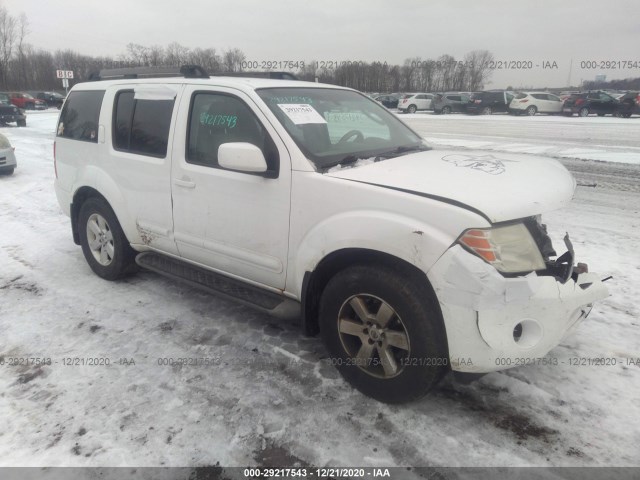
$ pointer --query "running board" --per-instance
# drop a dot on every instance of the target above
(212, 282)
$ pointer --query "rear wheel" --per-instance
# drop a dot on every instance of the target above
(384, 332)
(104, 244)
(486, 111)
(412, 109)
(446, 110)
(531, 111)
(583, 112)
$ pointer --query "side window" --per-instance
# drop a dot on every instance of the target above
(421, 97)
(216, 118)
(455, 98)
(80, 115)
(553, 98)
(606, 98)
(539, 96)
(141, 126)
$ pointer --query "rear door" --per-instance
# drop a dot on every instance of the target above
(138, 159)
(236, 223)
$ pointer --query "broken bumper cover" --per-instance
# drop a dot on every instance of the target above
(494, 323)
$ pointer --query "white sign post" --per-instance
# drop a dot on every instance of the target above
(65, 75)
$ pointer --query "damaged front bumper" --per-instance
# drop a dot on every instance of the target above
(494, 323)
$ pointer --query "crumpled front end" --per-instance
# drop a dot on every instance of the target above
(494, 322)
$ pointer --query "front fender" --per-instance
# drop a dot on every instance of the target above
(400, 236)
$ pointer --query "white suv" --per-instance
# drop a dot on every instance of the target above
(535, 102)
(412, 102)
(313, 201)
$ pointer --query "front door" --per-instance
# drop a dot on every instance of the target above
(234, 222)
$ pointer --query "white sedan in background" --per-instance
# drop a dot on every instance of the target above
(7, 156)
(535, 102)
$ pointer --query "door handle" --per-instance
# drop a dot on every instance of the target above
(184, 183)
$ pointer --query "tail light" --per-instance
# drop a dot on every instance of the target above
(524, 100)
(477, 101)
(579, 101)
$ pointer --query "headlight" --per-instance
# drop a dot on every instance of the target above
(511, 249)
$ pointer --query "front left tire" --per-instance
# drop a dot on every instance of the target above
(384, 332)
(104, 244)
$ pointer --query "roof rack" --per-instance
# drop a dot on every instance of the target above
(259, 74)
(186, 71)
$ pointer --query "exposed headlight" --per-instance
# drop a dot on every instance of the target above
(510, 248)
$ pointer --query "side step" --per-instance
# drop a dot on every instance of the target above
(212, 282)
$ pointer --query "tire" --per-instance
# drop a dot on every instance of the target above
(7, 171)
(446, 110)
(437, 112)
(601, 114)
(104, 245)
(486, 111)
(583, 112)
(626, 115)
(414, 318)
(412, 109)
(531, 111)
(21, 123)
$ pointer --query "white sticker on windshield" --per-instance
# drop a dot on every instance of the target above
(301, 113)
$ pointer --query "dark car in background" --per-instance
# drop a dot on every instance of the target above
(52, 99)
(450, 102)
(629, 104)
(486, 103)
(9, 113)
(389, 101)
(586, 103)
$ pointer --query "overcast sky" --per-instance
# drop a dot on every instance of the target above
(369, 30)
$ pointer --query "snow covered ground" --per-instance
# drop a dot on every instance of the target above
(268, 396)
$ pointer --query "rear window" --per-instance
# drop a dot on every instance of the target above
(521, 95)
(141, 126)
(80, 115)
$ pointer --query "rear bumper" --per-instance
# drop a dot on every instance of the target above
(494, 323)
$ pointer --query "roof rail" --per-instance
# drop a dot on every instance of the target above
(186, 71)
(257, 74)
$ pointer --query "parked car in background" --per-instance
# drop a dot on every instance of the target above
(9, 113)
(629, 104)
(52, 99)
(450, 102)
(7, 156)
(535, 102)
(412, 102)
(486, 103)
(26, 101)
(389, 101)
(585, 103)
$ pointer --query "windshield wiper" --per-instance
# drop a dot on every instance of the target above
(345, 161)
(403, 150)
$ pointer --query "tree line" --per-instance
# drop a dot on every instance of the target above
(23, 67)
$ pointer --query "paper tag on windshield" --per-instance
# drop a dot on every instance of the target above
(301, 113)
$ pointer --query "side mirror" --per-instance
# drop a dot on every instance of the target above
(241, 156)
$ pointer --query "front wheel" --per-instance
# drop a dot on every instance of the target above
(7, 171)
(486, 111)
(412, 109)
(104, 244)
(384, 332)
(446, 110)
(583, 112)
(22, 123)
(531, 111)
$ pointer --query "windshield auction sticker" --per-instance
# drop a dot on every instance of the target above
(301, 113)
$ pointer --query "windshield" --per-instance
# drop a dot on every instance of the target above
(333, 126)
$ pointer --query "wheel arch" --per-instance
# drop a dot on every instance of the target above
(315, 281)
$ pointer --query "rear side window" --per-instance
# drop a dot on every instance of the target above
(80, 115)
(141, 126)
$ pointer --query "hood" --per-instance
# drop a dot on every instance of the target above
(499, 186)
